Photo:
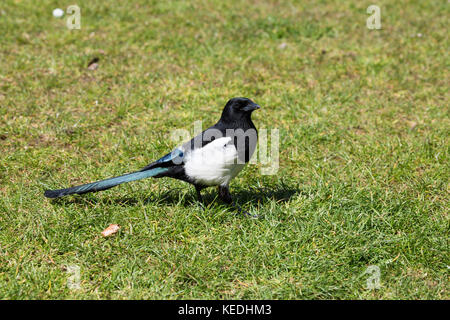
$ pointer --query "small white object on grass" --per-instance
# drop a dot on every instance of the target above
(282, 46)
(58, 13)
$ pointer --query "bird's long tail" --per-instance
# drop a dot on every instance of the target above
(105, 184)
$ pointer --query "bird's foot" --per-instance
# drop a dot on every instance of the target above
(201, 203)
(245, 212)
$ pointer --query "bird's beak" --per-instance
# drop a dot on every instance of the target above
(251, 107)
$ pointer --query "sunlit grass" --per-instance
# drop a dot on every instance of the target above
(363, 175)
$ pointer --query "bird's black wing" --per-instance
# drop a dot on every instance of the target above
(176, 157)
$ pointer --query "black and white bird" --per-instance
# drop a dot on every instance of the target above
(213, 158)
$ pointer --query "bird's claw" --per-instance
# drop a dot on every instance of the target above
(245, 212)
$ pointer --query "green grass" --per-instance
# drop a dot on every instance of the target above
(364, 143)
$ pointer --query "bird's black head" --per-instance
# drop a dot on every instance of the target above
(238, 109)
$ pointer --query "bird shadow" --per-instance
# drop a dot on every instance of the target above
(179, 196)
(278, 193)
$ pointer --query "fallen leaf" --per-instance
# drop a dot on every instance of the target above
(112, 228)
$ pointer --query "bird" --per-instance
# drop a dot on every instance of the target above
(212, 158)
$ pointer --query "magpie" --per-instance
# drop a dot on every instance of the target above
(212, 158)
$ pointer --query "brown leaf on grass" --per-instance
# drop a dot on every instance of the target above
(112, 228)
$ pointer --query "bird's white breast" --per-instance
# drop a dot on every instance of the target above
(214, 164)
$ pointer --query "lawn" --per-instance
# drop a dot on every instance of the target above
(362, 187)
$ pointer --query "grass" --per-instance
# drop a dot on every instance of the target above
(363, 176)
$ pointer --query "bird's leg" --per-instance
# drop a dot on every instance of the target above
(225, 196)
(199, 195)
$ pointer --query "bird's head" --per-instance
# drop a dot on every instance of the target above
(238, 108)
